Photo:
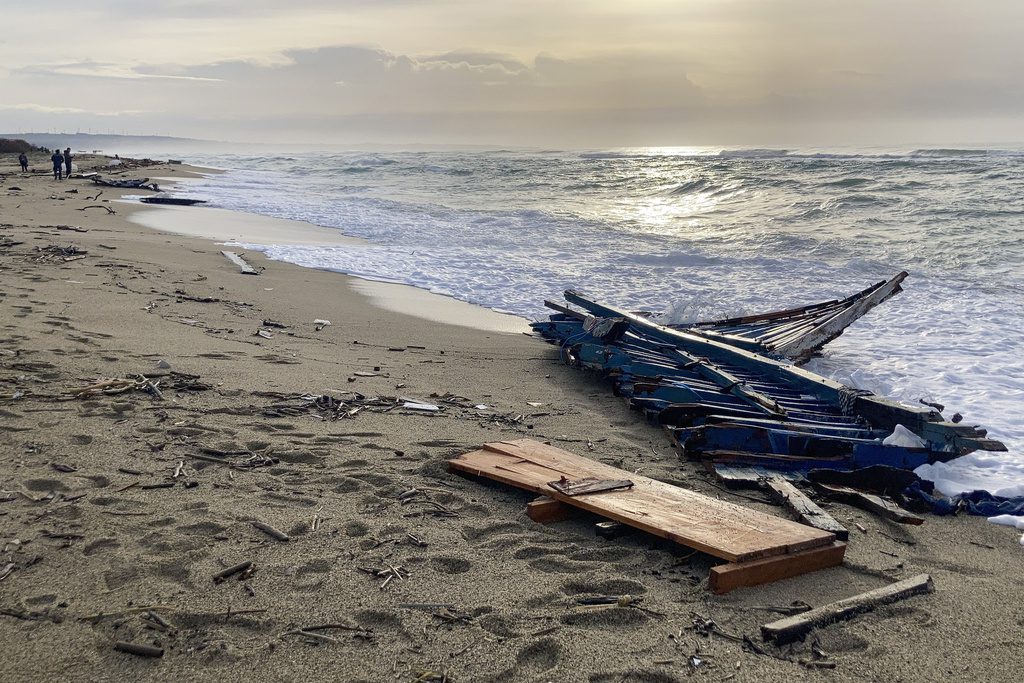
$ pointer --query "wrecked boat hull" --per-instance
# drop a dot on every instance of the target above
(716, 398)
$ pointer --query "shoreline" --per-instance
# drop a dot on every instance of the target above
(102, 539)
(225, 226)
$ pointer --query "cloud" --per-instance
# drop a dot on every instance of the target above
(90, 69)
(46, 109)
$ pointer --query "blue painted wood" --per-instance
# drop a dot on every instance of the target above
(742, 402)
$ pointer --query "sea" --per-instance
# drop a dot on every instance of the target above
(699, 233)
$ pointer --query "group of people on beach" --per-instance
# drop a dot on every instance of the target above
(61, 163)
(60, 159)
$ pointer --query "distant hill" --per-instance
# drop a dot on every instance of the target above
(12, 145)
(87, 142)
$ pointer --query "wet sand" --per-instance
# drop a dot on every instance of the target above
(117, 507)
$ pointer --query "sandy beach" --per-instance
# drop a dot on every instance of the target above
(118, 511)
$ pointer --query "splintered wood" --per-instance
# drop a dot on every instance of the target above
(763, 547)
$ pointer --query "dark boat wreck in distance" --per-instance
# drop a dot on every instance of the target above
(173, 201)
(724, 403)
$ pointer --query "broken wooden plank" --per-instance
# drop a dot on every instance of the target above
(806, 510)
(719, 528)
(880, 505)
(793, 628)
(749, 476)
(545, 510)
(726, 577)
(580, 487)
(244, 267)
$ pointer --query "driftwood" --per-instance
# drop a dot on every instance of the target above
(880, 505)
(276, 534)
(138, 184)
(242, 568)
(244, 267)
(793, 628)
(174, 201)
(98, 206)
(138, 649)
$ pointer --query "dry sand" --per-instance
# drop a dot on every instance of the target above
(87, 546)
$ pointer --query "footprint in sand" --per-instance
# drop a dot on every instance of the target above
(488, 532)
(355, 529)
(633, 677)
(100, 545)
(555, 565)
(203, 529)
(531, 660)
(44, 485)
(379, 621)
(377, 480)
(611, 617)
(604, 587)
(450, 565)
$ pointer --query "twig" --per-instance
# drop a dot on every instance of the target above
(276, 534)
(225, 574)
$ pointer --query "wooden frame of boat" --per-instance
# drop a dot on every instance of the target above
(797, 333)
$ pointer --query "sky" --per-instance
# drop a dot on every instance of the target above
(548, 73)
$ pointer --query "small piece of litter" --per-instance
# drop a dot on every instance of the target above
(412, 405)
(534, 404)
(481, 407)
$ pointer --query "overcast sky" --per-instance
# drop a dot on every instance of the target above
(561, 73)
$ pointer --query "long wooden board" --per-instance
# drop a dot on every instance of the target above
(716, 527)
(791, 628)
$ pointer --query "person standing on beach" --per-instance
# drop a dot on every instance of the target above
(23, 160)
(67, 162)
(58, 164)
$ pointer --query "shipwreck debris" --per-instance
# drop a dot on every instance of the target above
(795, 627)
(757, 547)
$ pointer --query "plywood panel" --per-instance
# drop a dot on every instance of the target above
(716, 527)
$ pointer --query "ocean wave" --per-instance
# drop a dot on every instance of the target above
(754, 153)
(950, 152)
(847, 182)
(610, 155)
(695, 185)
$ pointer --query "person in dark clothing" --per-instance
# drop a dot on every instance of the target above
(67, 162)
(58, 164)
(23, 160)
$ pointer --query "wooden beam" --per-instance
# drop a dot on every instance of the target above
(880, 505)
(727, 577)
(244, 267)
(545, 510)
(793, 628)
(805, 509)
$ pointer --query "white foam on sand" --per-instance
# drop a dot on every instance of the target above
(1016, 521)
(223, 225)
(239, 229)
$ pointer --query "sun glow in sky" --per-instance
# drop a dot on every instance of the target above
(597, 73)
